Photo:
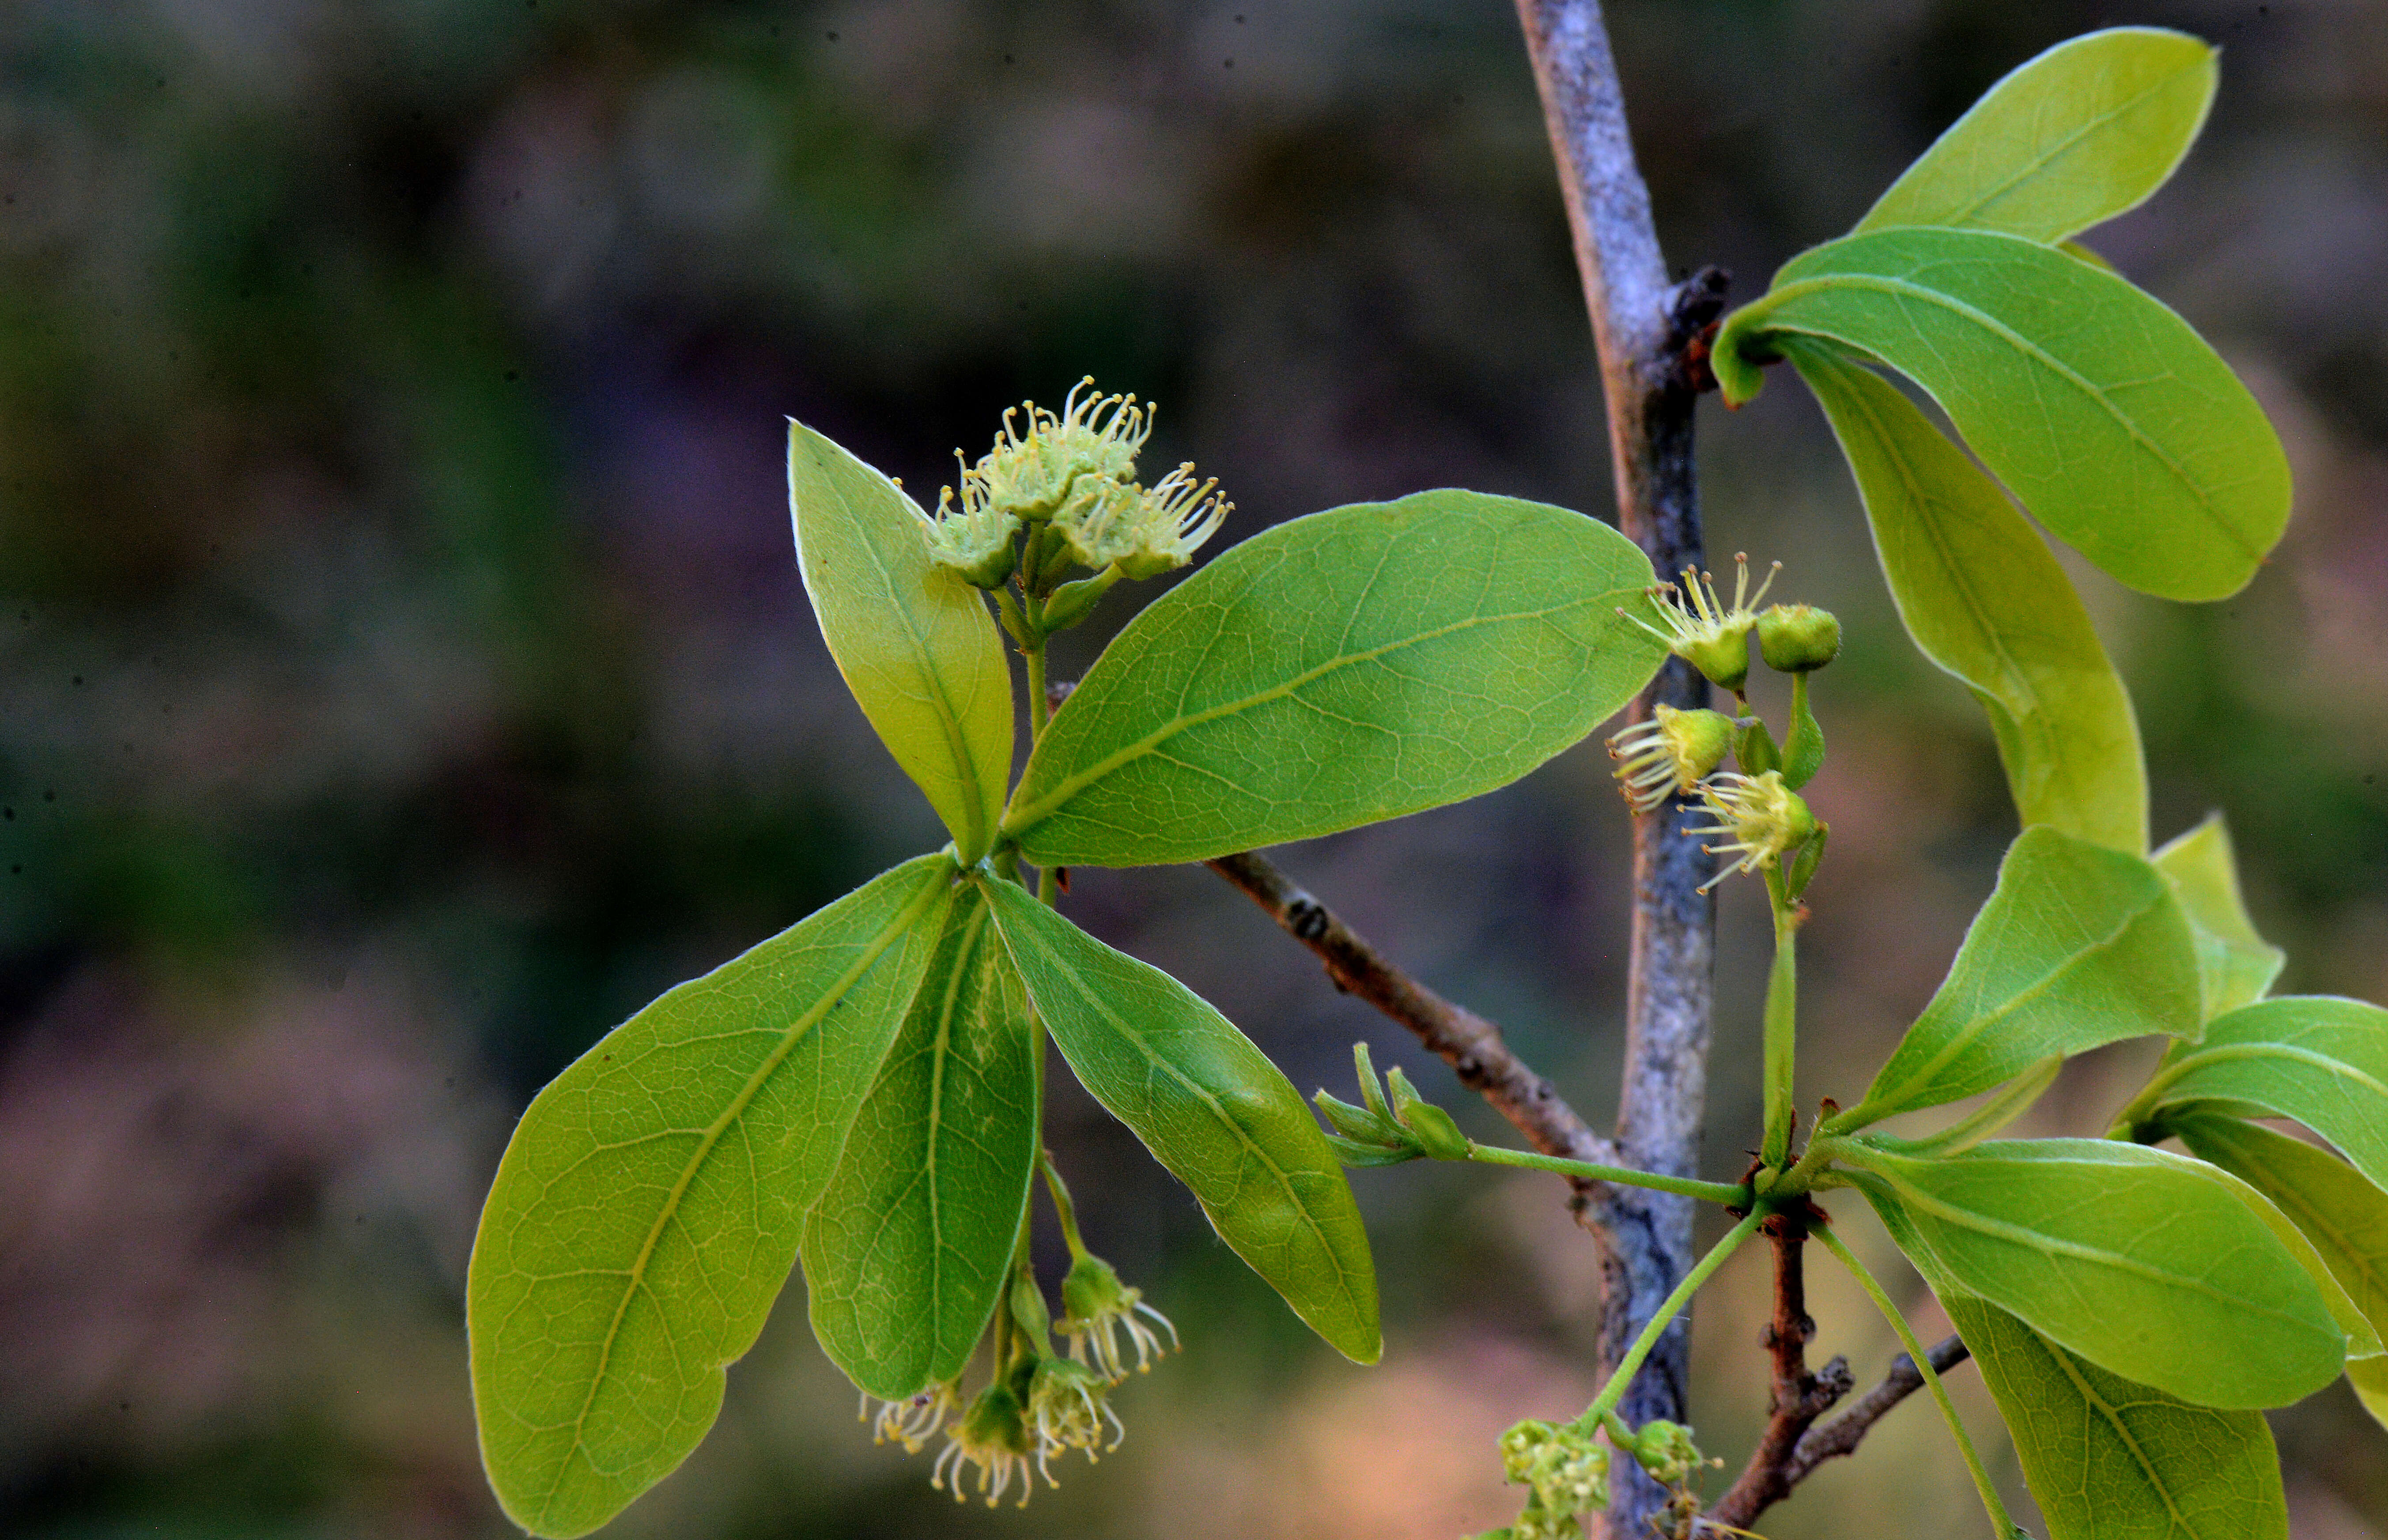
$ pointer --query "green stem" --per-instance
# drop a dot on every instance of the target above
(1916, 1351)
(1048, 881)
(1801, 1176)
(1063, 1206)
(1631, 1365)
(1782, 1023)
(1711, 1192)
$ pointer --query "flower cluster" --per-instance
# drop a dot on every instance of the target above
(1677, 752)
(1074, 472)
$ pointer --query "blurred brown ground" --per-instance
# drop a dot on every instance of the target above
(406, 676)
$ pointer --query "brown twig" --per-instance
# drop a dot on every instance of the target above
(1799, 1398)
(1841, 1435)
(1641, 325)
(1470, 1045)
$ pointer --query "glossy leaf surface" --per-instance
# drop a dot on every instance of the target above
(1351, 666)
(1212, 1109)
(2235, 964)
(909, 1246)
(1983, 599)
(2146, 1264)
(2101, 410)
(649, 1207)
(912, 640)
(2319, 1060)
(2077, 946)
(2074, 137)
(2109, 1459)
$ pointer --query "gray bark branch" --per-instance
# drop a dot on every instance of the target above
(1641, 324)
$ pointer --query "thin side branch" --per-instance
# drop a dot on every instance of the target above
(1470, 1045)
(1841, 1435)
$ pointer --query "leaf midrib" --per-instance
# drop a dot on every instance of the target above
(1907, 289)
(932, 889)
(1996, 641)
(2114, 1420)
(1913, 1196)
(2219, 1053)
(1028, 815)
(2043, 161)
(1967, 1035)
(967, 774)
(1199, 1091)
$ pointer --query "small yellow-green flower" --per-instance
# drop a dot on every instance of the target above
(1699, 628)
(1031, 475)
(1097, 1307)
(1766, 819)
(913, 1421)
(1672, 752)
(1069, 1407)
(994, 1437)
(973, 538)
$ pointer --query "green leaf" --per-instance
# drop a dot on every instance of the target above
(1212, 1109)
(1985, 600)
(649, 1207)
(2341, 1215)
(2109, 1459)
(2235, 964)
(2078, 946)
(2074, 137)
(2319, 1060)
(908, 1248)
(2147, 1264)
(912, 640)
(1351, 666)
(2106, 415)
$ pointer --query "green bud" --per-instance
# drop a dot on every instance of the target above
(1796, 638)
(1666, 1450)
(1073, 601)
(1029, 1309)
(1437, 1135)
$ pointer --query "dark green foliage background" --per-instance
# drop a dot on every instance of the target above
(405, 674)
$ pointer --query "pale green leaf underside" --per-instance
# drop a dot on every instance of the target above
(1983, 599)
(2071, 138)
(2078, 946)
(909, 1246)
(1348, 666)
(1212, 1109)
(649, 1205)
(2147, 1264)
(2101, 410)
(2109, 1459)
(2236, 964)
(2321, 1061)
(2340, 1213)
(912, 640)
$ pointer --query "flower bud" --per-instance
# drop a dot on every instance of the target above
(1796, 638)
(1666, 1450)
(1436, 1134)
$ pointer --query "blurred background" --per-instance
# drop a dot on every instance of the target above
(405, 674)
